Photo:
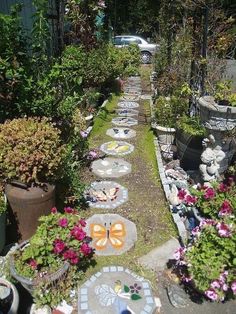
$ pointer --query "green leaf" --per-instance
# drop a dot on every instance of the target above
(135, 297)
(126, 288)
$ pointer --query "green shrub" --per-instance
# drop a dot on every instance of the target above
(191, 125)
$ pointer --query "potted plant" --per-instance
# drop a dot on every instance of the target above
(31, 160)
(59, 242)
(9, 298)
(3, 208)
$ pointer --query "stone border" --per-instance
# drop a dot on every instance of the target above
(166, 187)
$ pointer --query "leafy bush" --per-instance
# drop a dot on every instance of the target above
(31, 151)
(191, 125)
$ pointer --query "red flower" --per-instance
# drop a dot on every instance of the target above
(82, 222)
(190, 199)
(59, 246)
(78, 233)
(209, 194)
(33, 263)
(226, 209)
(63, 222)
(181, 194)
(68, 210)
(222, 188)
(54, 210)
(85, 249)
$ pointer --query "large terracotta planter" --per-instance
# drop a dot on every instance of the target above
(27, 205)
(219, 120)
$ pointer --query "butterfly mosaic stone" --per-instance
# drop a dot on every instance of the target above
(110, 167)
(121, 133)
(117, 148)
(116, 290)
(128, 104)
(130, 98)
(124, 121)
(111, 234)
(105, 194)
(127, 112)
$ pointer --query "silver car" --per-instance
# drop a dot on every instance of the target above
(147, 50)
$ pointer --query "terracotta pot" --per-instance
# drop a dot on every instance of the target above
(27, 205)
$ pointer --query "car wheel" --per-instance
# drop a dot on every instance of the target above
(146, 57)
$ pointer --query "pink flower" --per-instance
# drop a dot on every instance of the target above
(226, 209)
(84, 134)
(209, 194)
(101, 4)
(223, 230)
(69, 254)
(33, 263)
(74, 260)
(231, 181)
(82, 222)
(68, 210)
(196, 231)
(233, 287)
(181, 194)
(190, 200)
(222, 188)
(63, 222)
(59, 246)
(178, 254)
(85, 249)
(211, 294)
(215, 284)
(225, 287)
(92, 155)
(54, 210)
(207, 222)
(186, 279)
(78, 233)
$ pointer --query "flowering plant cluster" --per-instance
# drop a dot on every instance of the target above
(60, 237)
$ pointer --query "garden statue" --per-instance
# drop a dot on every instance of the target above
(211, 157)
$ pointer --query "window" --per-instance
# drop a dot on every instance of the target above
(117, 41)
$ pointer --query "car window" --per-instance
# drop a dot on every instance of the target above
(130, 40)
(117, 41)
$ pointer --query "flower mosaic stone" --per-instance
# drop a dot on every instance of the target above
(117, 148)
(124, 121)
(121, 133)
(128, 104)
(110, 167)
(115, 289)
(127, 112)
(111, 234)
(106, 195)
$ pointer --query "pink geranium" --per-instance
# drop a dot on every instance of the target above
(54, 210)
(33, 263)
(78, 233)
(181, 194)
(82, 222)
(226, 209)
(215, 284)
(59, 246)
(178, 254)
(222, 188)
(85, 249)
(68, 210)
(63, 222)
(207, 222)
(211, 294)
(224, 230)
(233, 287)
(190, 200)
(209, 194)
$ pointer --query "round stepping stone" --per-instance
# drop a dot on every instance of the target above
(117, 148)
(106, 194)
(115, 289)
(121, 133)
(111, 167)
(128, 104)
(111, 234)
(129, 98)
(127, 112)
(124, 121)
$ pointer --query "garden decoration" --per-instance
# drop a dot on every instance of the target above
(118, 148)
(127, 112)
(111, 234)
(115, 289)
(211, 157)
(59, 241)
(128, 104)
(106, 194)
(121, 133)
(130, 98)
(111, 167)
(124, 121)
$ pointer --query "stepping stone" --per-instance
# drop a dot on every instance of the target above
(128, 104)
(117, 148)
(121, 133)
(116, 290)
(127, 112)
(129, 98)
(106, 195)
(111, 167)
(111, 234)
(124, 121)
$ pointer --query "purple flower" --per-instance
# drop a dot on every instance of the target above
(225, 287)
(207, 222)
(226, 209)
(63, 222)
(92, 155)
(196, 231)
(215, 284)
(101, 4)
(59, 246)
(211, 294)
(178, 254)
(84, 134)
(209, 194)
(222, 188)
(233, 287)
(135, 288)
(223, 230)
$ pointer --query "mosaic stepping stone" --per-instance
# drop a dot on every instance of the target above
(111, 234)
(116, 290)
(121, 133)
(117, 148)
(111, 167)
(106, 194)
(128, 104)
(130, 98)
(127, 112)
(124, 121)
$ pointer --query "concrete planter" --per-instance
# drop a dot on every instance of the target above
(219, 120)
(165, 135)
(2, 230)
(15, 296)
